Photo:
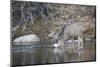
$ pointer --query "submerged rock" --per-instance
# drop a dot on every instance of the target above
(27, 39)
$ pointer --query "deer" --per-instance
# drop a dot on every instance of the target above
(69, 31)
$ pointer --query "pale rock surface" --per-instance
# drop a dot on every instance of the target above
(27, 38)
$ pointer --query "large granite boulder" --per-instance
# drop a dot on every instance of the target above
(27, 39)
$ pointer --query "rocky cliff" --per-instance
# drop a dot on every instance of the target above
(43, 18)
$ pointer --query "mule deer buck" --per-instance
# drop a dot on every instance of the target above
(70, 31)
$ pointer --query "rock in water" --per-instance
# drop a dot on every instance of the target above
(27, 38)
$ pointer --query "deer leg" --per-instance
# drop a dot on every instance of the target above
(72, 43)
(80, 42)
(81, 45)
(62, 43)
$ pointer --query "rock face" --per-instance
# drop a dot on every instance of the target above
(41, 18)
(26, 39)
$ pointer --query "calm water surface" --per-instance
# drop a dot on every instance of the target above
(44, 54)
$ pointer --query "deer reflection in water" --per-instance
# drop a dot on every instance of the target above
(68, 55)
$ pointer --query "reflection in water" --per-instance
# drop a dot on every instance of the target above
(23, 55)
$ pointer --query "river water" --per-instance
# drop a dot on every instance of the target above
(31, 54)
